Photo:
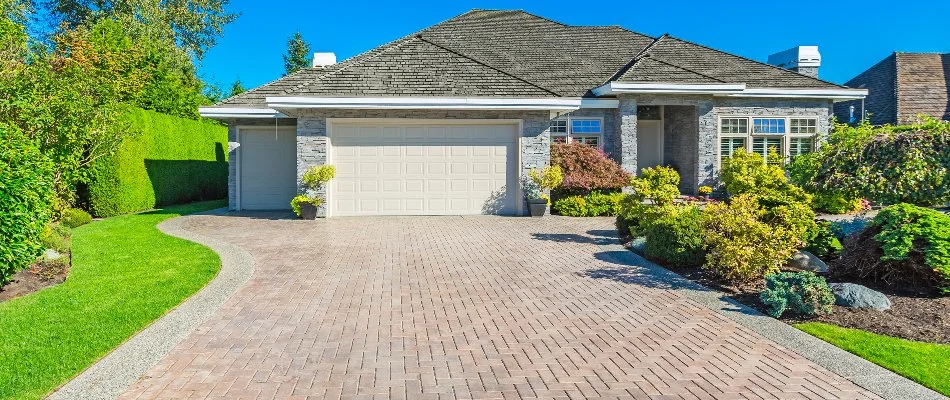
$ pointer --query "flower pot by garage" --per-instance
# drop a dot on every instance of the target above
(537, 207)
(308, 211)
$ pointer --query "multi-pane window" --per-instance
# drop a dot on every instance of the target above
(729, 145)
(588, 131)
(800, 145)
(803, 126)
(768, 126)
(734, 126)
(786, 136)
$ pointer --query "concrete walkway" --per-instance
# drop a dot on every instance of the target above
(465, 307)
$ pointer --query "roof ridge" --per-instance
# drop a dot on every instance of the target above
(633, 61)
(757, 62)
(453, 51)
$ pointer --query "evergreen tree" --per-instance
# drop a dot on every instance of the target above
(237, 88)
(298, 54)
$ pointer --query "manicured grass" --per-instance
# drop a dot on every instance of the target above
(125, 274)
(924, 363)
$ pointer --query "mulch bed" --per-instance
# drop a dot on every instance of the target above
(913, 316)
(40, 275)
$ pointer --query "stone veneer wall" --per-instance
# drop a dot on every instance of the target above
(233, 125)
(708, 109)
(312, 132)
(680, 143)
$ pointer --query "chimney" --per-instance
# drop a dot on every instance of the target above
(802, 59)
(321, 60)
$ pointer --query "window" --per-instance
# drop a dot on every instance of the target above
(800, 145)
(804, 126)
(734, 126)
(787, 136)
(768, 126)
(582, 130)
(729, 145)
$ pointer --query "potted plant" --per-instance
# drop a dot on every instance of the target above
(539, 186)
(306, 204)
(704, 192)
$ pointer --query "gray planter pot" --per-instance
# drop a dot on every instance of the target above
(308, 211)
(537, 207)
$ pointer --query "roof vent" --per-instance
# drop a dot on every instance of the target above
(321, 60)
(801, 59)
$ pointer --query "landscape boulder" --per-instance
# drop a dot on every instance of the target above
(804, 261)
(856, 296)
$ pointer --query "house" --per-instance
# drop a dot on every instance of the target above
(448, 120)
(900, 87)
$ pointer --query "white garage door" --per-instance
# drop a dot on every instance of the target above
(423, 169)
(268, 162)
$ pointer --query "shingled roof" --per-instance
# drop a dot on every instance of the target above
(486, 53)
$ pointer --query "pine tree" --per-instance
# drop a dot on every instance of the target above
(298, 54)
(237, 88)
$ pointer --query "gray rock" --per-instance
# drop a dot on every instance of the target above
(638, 245)
(804, 261)
(52, 255)
(857, 296)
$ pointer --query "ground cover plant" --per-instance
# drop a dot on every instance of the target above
(125, 274)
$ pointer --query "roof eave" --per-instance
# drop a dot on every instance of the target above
(729, 90)
(439, 103)
(225, 113)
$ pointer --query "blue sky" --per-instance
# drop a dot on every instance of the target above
(851, 35)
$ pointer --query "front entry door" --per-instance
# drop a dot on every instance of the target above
(649, 144)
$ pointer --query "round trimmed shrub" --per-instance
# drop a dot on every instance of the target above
(802, 292)
(74, 218)
(676, 237)
(572, 206)
(26, 199)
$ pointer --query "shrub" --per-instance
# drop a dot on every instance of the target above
(541, 181)
(887, 165)
(572, 206)
(57, 237)
(740, 246)
(604, 204)
(904, 244)
(26, 198)
(749, 173)
(658, 184)
(587, 168)
(74, 218)
(802, 171)
(823, 242)
(676, 237)
(802, 292)
(171, 161)
(302, 198)
(313, 179)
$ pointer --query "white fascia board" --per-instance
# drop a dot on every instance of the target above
(614, 88)
(441, 103)
(791, 93)
(239, 112)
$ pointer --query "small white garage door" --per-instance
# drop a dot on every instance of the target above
(424, 169)
(268, 162)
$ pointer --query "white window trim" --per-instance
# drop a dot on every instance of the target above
(570, 129)
(786, 137)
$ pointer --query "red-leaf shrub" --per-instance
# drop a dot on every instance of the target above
(587, 168)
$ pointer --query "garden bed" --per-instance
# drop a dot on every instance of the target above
(918, 317)
(38, 276)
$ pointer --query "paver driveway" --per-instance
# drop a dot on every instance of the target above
(463, 307)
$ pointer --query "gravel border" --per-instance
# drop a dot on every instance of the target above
(117, 371)
(864, 373)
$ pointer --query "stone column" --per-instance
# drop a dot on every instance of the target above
(312, 143)
(708, 146)
(627, 138)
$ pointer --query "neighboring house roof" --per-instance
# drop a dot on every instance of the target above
(485, 53)
(901, 86)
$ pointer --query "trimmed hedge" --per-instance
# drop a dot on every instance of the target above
(171, 160)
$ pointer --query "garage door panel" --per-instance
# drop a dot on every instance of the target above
(424, 169)
(268, 169)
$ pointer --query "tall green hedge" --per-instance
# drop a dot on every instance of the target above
(171, 160)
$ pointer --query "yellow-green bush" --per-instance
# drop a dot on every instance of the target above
(594, 204)
(740, 247)
(171, 160)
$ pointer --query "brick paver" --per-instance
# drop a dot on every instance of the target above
(464, 307)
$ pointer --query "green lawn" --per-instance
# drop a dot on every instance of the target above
(924, 363)
(125, 274)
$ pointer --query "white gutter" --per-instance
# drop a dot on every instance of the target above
(439, 103)
(729, 90)
(614, 88)
(836, 94)
(239, 112)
